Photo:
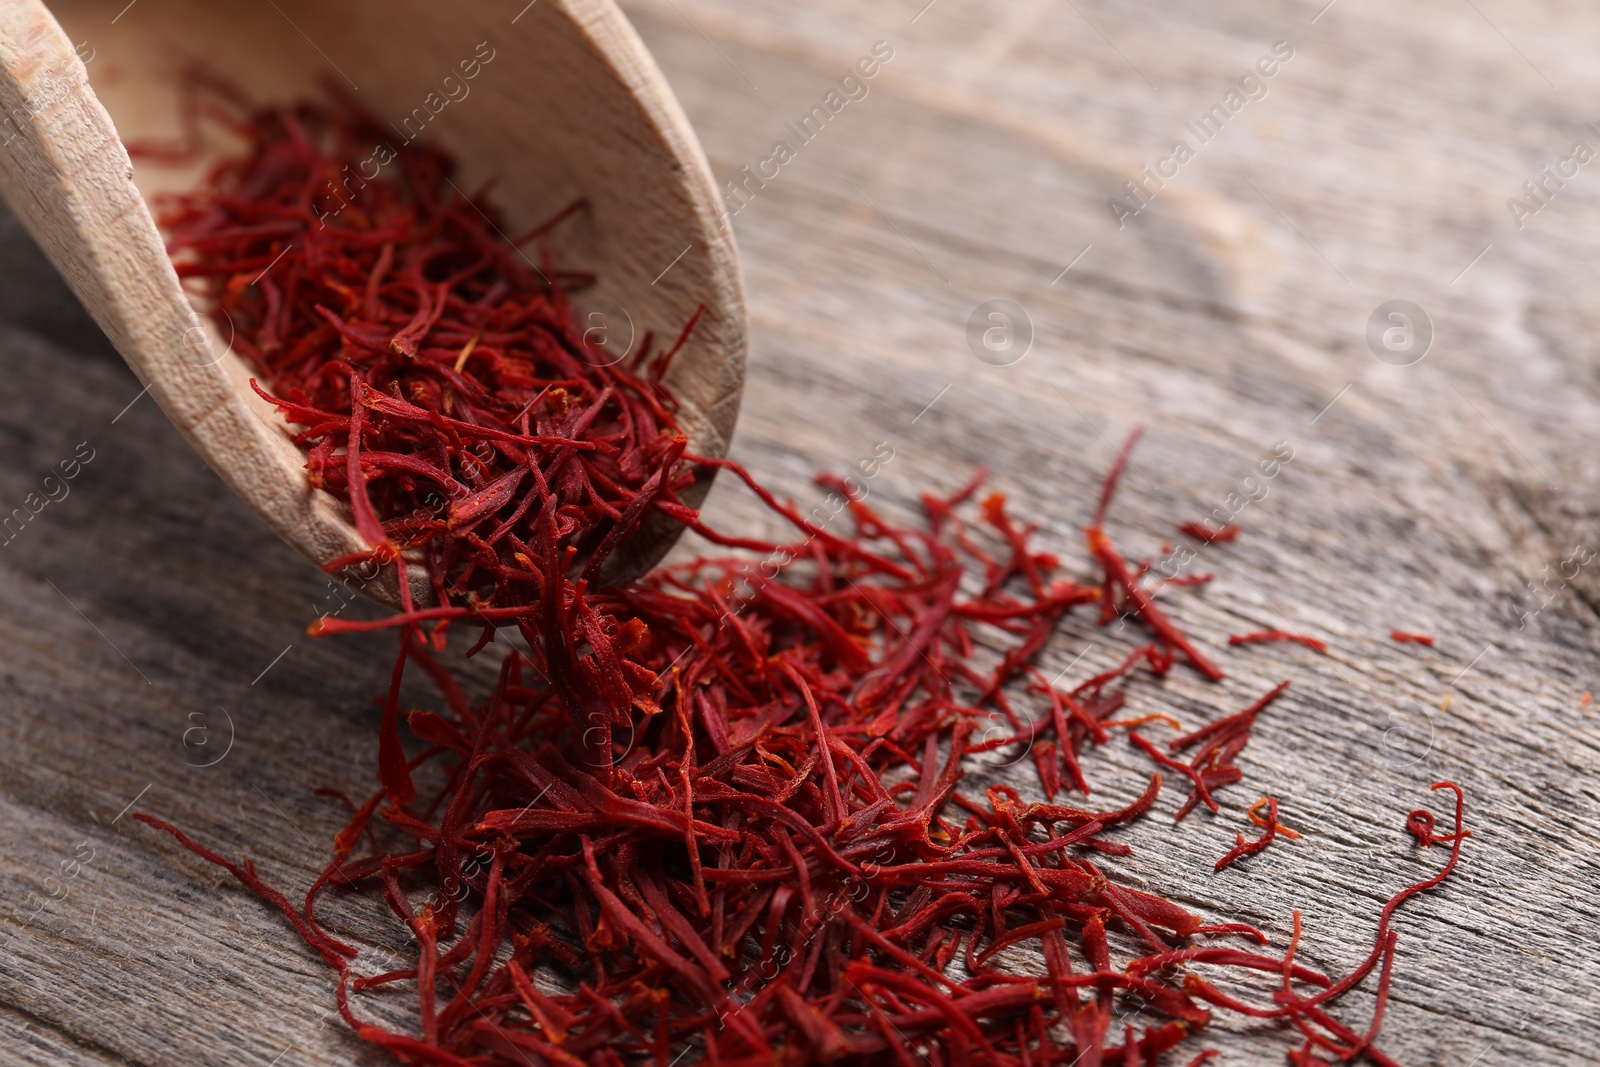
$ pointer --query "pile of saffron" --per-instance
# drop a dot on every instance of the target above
(711, 815)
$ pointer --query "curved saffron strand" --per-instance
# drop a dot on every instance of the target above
(1383, 996)
(1249, 848)
(1268, 636)
(1255, 817)
(1226, 957)
(1302, 1012)
(836, 544)
(1455, 841)
(1243, 929)
(247, 877)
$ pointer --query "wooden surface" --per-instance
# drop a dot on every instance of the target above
(1228, 315)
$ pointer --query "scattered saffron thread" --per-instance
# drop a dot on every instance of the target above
(714, 810)
(1201, 532)
(1268, 636)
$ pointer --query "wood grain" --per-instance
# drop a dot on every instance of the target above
(1229, 315)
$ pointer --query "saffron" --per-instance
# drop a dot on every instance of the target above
(715, 809)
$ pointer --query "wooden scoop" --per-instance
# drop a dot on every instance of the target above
(554, 100)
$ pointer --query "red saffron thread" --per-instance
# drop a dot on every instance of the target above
(717, 809)
(1271, 820)
(1201, 532)
(1267, 636)
(1243, 847)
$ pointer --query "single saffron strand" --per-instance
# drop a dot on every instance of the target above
(1249, 848)
(1403, 638)
(1420, 824)
(1201, 532)
(1256, 818)
(1261, 637)
(1118, 575)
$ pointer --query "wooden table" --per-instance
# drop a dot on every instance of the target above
(154, 633)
